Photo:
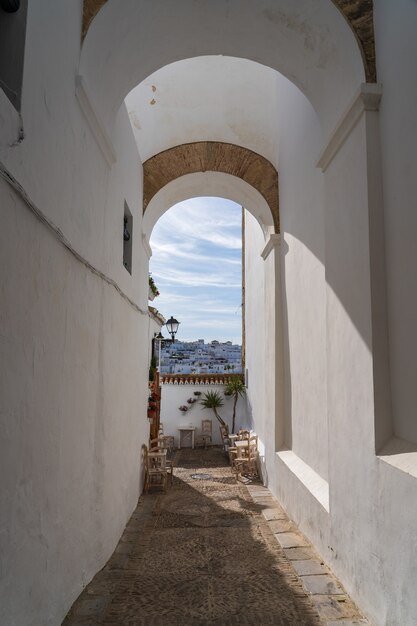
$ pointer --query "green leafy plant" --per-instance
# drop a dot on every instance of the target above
(152, 369)
(153, 287)
(235, 387)
(213, 400)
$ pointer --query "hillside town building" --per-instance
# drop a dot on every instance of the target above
(197, 357)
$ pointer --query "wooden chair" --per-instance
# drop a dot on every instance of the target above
(169, 441)
(244, 457)
(224, 434)
(163, 443)
(205, 438)
(155, 468)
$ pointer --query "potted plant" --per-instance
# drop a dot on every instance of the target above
(153, 290)
(213, 400)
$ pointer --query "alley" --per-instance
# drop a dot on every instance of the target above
(212, 551)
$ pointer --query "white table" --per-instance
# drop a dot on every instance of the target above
(189, 432)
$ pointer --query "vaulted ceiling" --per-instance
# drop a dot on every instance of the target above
(358, 14)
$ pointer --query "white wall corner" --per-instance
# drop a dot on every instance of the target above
(367, 98)
(273, 242)
(146, 246)
(96, 125)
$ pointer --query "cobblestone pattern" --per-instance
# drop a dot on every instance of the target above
(209, 552)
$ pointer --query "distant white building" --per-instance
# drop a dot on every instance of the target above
(197, 357)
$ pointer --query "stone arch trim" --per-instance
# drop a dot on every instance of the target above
(214, 156)
(358, 13)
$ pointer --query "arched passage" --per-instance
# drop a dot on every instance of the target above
(208, 184)
(212, 156)
(313, 46)
(359, 15)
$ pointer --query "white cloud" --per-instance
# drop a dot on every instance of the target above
(201, 219)
(168, 250)
(196, 265)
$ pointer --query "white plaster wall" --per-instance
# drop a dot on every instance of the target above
(369, 548)
(212, 111)
(260, 370)
(327, 318)
(173, 396)
(303, 287)
(395, 27)
(363, 531)
(311, 44)
(299, 420)
(74, 351)
(72, 422)
(303, 279)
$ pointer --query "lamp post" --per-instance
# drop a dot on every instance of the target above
(172, 327)
(160, 338)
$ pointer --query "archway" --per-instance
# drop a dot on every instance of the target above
(330, 252)
(255, 170)
(314, 47)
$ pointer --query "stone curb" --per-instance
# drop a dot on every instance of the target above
(333, 604)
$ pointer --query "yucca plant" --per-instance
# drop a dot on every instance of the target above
(235, 387)
(213, 400)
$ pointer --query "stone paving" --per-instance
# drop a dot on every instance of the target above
(212, 552)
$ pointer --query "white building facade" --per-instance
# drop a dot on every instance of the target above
(197, 357)
(112, 112)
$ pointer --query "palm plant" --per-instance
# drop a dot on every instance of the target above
(235, 387)
(213, 400)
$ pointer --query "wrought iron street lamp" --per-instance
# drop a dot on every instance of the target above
(172, 327)
(160, 339)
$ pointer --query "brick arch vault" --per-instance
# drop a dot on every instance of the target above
(212, 156)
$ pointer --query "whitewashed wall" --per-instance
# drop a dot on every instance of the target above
(397, 50)
(74, 351)
(298, 263)
(74, 334)
(357, 506)
(174, 396)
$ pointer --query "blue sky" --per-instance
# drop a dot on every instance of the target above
(196, 265)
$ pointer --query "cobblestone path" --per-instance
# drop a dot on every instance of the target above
(204, 553)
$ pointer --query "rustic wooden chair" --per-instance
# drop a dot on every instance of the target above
(224, 434)
(163, 443)
(244, 457)
(155, 468)
(204, 438)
